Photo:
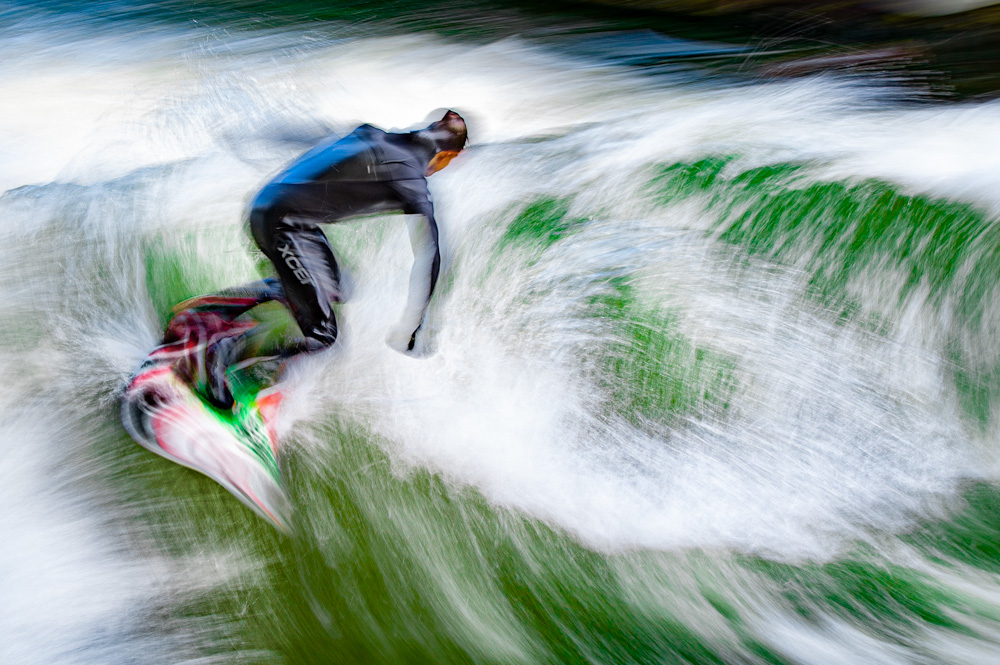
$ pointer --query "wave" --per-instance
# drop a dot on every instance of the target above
(709, 378)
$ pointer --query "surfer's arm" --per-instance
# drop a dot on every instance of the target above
(423, 232)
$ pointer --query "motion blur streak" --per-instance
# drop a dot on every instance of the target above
(711, 377)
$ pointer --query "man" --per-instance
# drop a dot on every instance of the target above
(211, 338)
(368, 171)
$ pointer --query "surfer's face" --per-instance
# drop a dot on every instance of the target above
(439, 161)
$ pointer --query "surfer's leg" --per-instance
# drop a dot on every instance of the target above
(311, 279)
(302, 257)
(234, 301)
(218, 357)
(259, 291)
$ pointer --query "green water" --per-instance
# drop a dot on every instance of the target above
(394, 564)
(838, 232)
(687, 402)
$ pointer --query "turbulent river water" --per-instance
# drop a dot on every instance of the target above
(711, 376)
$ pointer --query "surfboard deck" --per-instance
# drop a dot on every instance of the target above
(164, 411)
(237, 448)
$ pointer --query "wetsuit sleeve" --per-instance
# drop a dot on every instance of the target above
(426, 260)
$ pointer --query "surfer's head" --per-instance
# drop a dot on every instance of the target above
(448, 136)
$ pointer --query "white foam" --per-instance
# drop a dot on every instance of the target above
(833, 433)
(73, 592)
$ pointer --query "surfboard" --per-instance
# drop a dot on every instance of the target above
(163, 411)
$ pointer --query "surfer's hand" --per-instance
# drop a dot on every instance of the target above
(401, 340)
(406, 343)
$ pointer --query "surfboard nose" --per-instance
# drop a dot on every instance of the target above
(164, 415)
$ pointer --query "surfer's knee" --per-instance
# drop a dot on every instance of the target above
(266, 212)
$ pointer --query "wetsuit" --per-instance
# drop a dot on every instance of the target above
(365, 172)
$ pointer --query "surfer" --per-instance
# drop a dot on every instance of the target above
(206, 398)
(365, 172)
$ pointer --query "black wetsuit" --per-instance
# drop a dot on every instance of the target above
(365, 172)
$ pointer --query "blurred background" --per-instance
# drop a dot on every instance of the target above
(711, 376)
(950, 45)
